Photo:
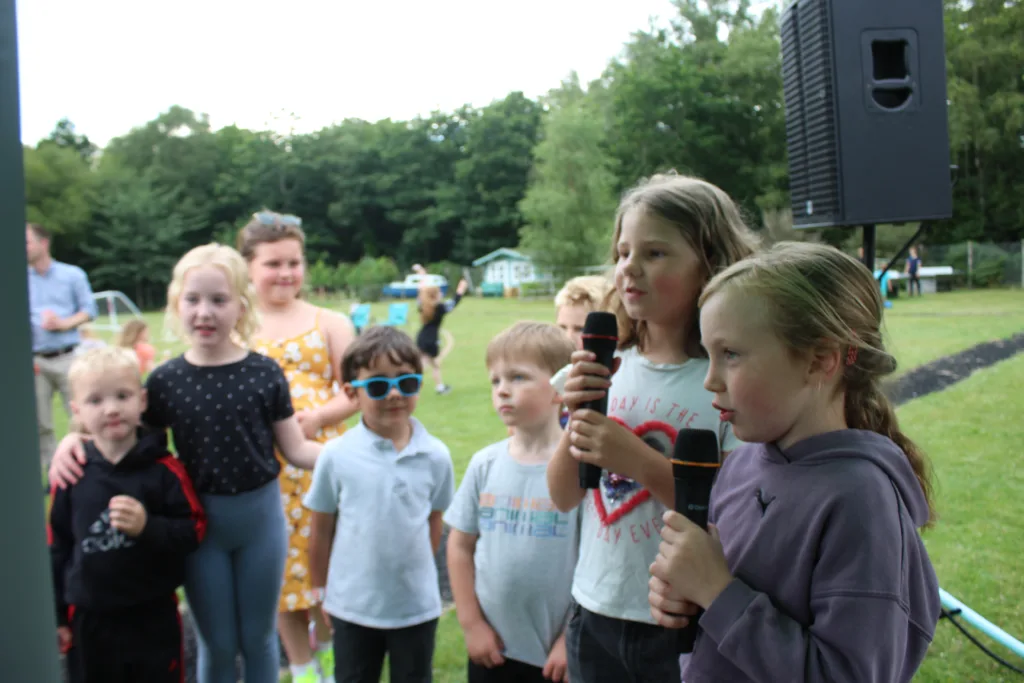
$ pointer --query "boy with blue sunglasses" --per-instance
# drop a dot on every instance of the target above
(377, 497)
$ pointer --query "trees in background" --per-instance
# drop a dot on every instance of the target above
(702, 95)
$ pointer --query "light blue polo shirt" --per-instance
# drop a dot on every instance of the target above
(382, 572)
(63, 289)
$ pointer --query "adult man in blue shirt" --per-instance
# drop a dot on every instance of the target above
(60, 300)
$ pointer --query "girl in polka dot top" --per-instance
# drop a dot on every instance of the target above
(227, 408)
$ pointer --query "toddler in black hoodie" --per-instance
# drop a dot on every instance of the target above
(119, 537)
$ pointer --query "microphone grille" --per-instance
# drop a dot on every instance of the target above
(602, 324)
(696, 445)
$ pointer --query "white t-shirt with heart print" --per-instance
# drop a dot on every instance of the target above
(621, 521)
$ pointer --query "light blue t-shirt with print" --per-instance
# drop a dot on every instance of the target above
(525, 554)
(382, 572)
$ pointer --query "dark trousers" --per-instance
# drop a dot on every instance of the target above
(359, 652)
(913, 281)
(141, 643)
(511, 671)
(605, 650)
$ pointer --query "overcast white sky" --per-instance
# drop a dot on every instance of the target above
(110, 65)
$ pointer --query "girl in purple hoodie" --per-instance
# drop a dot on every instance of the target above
(813, 569)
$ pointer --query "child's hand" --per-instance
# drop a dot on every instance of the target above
(599, 440)
(462, 287)
(66, 468)
(63, 639)
(588, 380)
(484, 646)
(690, 563)
(127, 515)
(556, 668)
(310, 422)
(667, 610)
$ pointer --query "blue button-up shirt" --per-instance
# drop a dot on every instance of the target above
(63, 289)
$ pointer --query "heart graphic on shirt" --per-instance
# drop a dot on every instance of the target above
(622, 493)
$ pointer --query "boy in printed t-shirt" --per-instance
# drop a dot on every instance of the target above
(511, 554)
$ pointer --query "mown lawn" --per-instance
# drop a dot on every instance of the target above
(972, 432)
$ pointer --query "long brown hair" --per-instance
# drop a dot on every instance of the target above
(708, 220)
(429, 299)
(821, 298)
(130, 333)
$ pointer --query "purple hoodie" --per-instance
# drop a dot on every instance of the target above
(833, 582)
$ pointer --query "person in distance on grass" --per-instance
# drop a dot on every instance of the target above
(119, 537)
(134, 335)
(432, 312)
(377, 496)
(511, 553)
(227, 409)
(814, 569)
(671, 234)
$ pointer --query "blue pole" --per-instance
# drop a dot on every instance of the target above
(979, 622)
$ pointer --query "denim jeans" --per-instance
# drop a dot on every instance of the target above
(605, 650)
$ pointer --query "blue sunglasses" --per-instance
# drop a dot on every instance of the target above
(378, 388)
(268, 218)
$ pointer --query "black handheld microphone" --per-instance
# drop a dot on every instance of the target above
(600, 337)
(695, 462)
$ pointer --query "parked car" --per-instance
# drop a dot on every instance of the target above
(410, 286)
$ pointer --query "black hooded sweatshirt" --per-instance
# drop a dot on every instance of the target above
(97, 567)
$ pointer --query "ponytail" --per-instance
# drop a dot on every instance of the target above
(868, 408)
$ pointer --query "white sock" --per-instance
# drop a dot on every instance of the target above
(302, 669)
(320, 647)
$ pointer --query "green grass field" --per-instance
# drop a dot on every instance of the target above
(971, 431)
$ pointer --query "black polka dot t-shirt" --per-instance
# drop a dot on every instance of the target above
(222, 419)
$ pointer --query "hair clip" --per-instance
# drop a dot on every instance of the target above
(851, 355)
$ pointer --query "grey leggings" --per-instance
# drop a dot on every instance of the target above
(233, 582)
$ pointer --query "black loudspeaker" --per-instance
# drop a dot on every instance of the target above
(866, 122)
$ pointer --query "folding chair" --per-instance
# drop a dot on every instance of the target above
(360, 315)
(398, 315)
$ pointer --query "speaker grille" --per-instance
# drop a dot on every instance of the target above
(807, 80)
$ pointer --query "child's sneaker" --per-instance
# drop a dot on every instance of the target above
(325, 658)
(308, 676)
(443, 389)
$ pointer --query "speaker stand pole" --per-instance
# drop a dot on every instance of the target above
(904, 249)
(28, 629)
(869, 246)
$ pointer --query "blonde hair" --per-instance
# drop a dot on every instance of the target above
(234, 268)
(586, 290)
(820, 298)
(708, 220)
(105, 360)
(130, 333)
(267, 227)
(540, 343)
(429, 297)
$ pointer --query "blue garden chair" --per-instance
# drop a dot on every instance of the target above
(398, 315)
(360, 315)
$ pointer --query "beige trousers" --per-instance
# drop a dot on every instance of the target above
(51, 376)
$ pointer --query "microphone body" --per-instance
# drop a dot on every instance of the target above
(600, 337)
(695, 462)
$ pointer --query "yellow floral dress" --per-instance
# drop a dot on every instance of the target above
(307, 367)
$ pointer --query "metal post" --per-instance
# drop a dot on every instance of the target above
(970, 264)
(869, 247)
(28, 629)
